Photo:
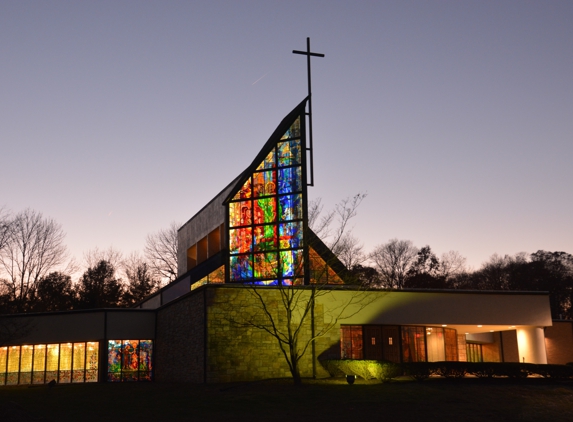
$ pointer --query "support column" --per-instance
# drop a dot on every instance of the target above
(531, 345)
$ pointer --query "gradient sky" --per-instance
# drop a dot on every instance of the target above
(118, 117)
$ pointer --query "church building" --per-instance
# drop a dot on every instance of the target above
(237, 257)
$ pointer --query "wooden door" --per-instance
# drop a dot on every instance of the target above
(372, 342)
(391, 343)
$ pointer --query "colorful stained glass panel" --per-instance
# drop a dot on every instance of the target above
(293, 131)
(245, 191)
(266, 265)
(264, 183)
(289, 153)
(290, 180)
(290, 207)
(268, 162)
(240, 240)
(240, 214)
(290, 235)
(291, 263)
(241, 268)
(265, 238)
(265, 210)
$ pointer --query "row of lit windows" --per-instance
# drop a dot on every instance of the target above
(42, 363)
(418, 344)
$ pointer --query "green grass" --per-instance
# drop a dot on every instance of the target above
(327, 400)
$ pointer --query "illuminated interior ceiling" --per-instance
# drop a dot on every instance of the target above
(474, 329)
(267, 211)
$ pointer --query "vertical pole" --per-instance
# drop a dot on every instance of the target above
(310, 113)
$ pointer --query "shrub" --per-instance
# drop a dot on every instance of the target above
(385, 371)
(418, 370)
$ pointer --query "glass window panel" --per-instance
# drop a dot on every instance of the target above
(268, 162)
(451, 337)
(289, 153)
(290, 207)
(435, 344)
(26, 358)
(266, 265)
(240, 214)
(245, 191)
(293, 131)
(265, 210)
(79, 355)
(65, 373)
(13, 365)
(92, 361)
(265, 238)
(145, 359)
(39, 357)
(114, 352)
(240, 240)
(26, 352)
(291, 263)
(53, 352)
(241, 268)
(351, 342)
(290, 180)
(130, 361)
(3, 359)
(290, 235)
(413, 344)
(264, 183)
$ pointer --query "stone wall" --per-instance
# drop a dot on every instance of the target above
(180, 341)
(240, 351)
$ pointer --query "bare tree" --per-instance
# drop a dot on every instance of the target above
(452, 264)
(34, 248)
(110, 255)
(332, 228)
(393, 261)
(161, 252)
(5, 227)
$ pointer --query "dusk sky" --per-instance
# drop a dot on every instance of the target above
(456, 117)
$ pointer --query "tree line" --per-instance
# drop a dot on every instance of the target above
(398, 264)
(36, 269)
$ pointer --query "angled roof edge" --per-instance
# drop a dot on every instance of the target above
(283, 126)
(325, 253)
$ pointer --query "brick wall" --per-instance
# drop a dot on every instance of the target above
(559, 342)
(179, 346)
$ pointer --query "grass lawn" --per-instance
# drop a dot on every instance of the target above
(277, 400)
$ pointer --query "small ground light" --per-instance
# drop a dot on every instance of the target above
(350, 379)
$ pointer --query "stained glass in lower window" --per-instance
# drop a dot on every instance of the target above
(266, 265)
(291, 263)
(290, 235)
(130, 360)
(241, 268)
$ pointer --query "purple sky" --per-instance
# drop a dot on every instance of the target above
(118, 117)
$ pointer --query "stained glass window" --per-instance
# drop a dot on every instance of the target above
(129, 360)
(265, 235)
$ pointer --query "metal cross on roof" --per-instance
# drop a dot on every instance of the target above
(308, 54)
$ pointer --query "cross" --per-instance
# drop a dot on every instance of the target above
(308, 54)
